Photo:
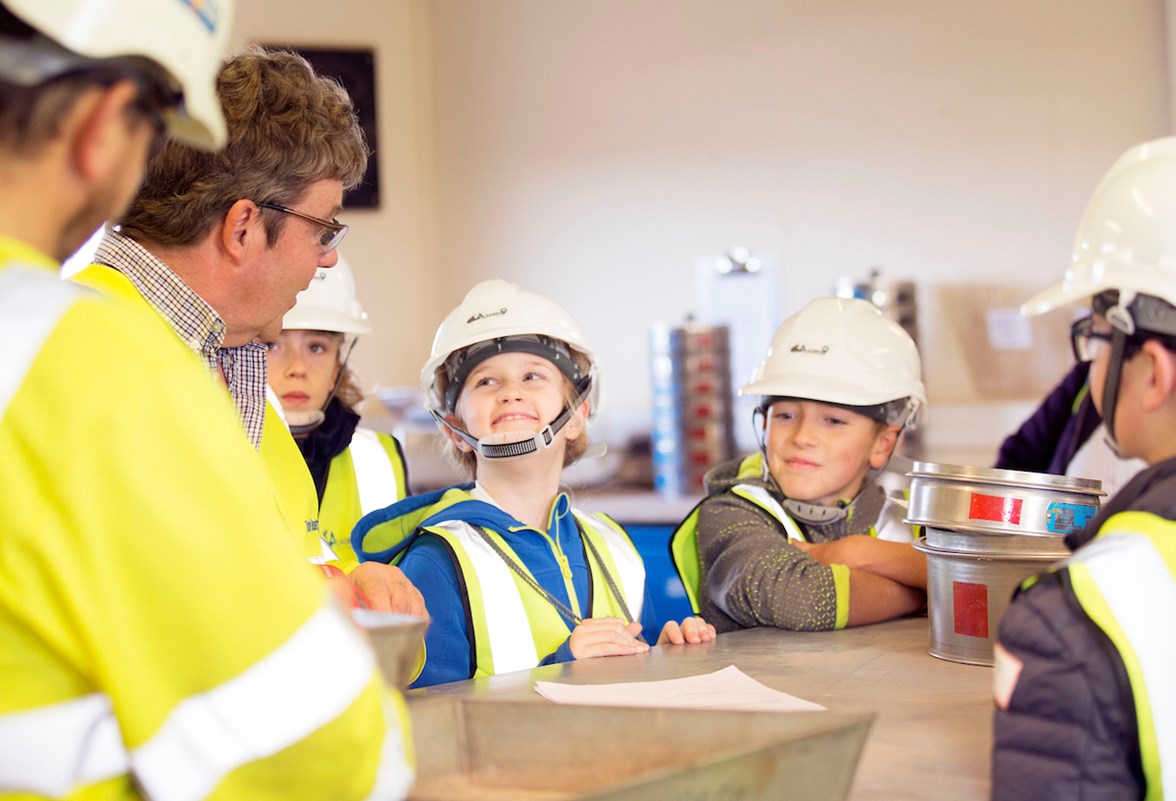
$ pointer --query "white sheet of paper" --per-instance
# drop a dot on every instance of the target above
(729, 688)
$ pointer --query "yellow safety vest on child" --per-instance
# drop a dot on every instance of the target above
(513, 626)
(1121, 578)
(368, 475)
(684, 540)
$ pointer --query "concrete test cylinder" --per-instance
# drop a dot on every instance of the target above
(986, 531)
(693, 428)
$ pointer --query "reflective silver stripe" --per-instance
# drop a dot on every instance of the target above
(512, 645)
(890, 526)
(763, 499)
(53, 750)
(394, 776)
(276, 702)
(626, 558)
(1137, 584)
(32, 302)
(374, 477)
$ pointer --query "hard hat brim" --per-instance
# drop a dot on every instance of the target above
(317, 318)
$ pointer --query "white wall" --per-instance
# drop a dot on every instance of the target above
(391, 250)
(595, 151)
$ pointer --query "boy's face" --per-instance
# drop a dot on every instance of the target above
(514, 393)
(819, 453)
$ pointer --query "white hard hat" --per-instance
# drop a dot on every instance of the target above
(329, 303)
(186, 39)
(497, 311)
(1127, 238)
(842, 351)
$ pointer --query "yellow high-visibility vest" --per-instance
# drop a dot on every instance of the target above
(1125, 580)
(513, 626)
(368, 475)
(293, 487)
(160, 635)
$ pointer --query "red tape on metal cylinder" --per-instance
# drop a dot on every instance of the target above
(970, 604)
(995, 508)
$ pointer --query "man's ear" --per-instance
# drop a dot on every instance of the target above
(1160, 378)
(884, 444)
(99, 127)
(241, 229)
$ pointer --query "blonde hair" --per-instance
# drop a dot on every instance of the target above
(288, 129)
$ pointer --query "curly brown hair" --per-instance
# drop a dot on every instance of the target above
(288, 129)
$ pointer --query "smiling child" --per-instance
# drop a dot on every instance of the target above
(800, 536)
(514, 576)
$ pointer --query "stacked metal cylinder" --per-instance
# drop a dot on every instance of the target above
(693, 427)
(986, 531)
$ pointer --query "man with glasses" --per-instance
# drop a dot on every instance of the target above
(1086, 702)
(156, 638)
(220, 245)
(333, 230)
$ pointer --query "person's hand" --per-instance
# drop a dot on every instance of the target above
(606, 636)
(692, 630)
(813, 549)
(388, 589)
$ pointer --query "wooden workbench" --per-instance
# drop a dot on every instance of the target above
(931, 737)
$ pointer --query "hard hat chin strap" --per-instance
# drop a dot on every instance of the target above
(818, 514)
(494, 446)
(1110, 396)
(302, 423)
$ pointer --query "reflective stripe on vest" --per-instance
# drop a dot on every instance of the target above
(512, 643)
(32, 302)
(890, 525)
(396, 772)
(624, 555)
(55, 749)
(764, 500)
(1127, 585)
(374, 476)
(205, 736)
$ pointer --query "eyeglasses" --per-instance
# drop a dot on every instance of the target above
(331, 237)
(1086, 342)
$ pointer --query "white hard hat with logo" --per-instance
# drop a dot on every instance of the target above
(184, 39)
(846, 352)
(498, 317)
(329, 303)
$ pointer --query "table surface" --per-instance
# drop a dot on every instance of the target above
(931, 737)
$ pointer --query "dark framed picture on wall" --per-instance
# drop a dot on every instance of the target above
(355, 69)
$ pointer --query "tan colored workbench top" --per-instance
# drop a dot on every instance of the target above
(932, 733)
